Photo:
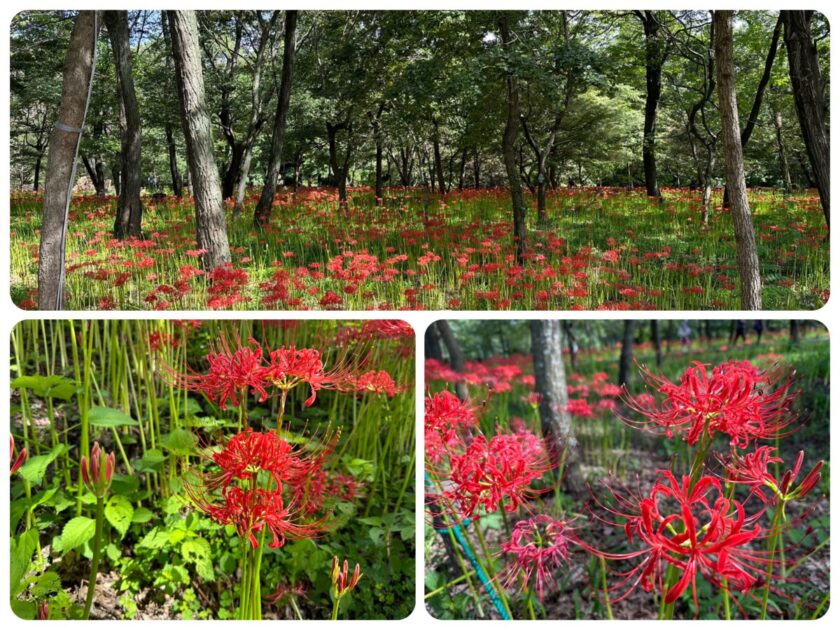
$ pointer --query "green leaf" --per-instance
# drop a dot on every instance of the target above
(142, 515)
(197, 551)
(22, 549)
(36, 467)
(52, 386)
(155, 539)
(152, 461)
(108, 417)
(46, 584)
(179, 442)
(119, 513)
(124, 485)
(76, 533)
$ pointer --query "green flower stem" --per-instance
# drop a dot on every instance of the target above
(775, 535)
(97, 554)
(605, 587)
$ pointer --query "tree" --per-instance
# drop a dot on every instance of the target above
(625, 360)
(510, 140)
(129, 207)
(656, 51)
(210, 226)
(61, 162)
(550, 384)
(747, 253)
(809, 94)
(456, 355)
(262, 212)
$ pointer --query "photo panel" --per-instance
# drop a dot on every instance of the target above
(627, 469)
(434, 160)
(212, 469)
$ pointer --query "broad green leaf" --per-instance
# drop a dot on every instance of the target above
(197, 551)
(22, 549)
(152, 461)
(108, 417)
(36, 467)
(142, 515)
(119, 513)
(179, 442)
(156, 539)
(46, 584)
(76, 533)
(52, 386)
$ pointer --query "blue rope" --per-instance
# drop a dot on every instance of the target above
(458, 532)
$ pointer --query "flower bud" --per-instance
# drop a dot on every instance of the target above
(98, 471)
(16, 462)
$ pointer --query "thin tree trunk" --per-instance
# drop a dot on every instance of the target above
(456, 355)
(211, 231)
(809, 95)
(747, 253)
(438, 159)
(129, 207)
(171, 149)
(656, 338)
(625, 360)
(794, 332)
(36, 177)
(263, 210)
(550, 384)
(509, 143)
(784, 167)
(654, 59)
(78, 69)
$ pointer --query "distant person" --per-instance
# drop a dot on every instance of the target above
(684, 333)
(758, 327)
(740, 332)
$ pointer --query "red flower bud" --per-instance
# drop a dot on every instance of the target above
(21, 458)
(98, 471)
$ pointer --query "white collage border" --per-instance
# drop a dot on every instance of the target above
(10, 315)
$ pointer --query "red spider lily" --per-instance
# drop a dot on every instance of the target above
(98, 470)
(494, 474)
(445, 415)
(283, 591)
(253, 510)
(751, 470)
(342, 581)
(696, 530)
(288, 367)
(249, 452)
(540, 546)
(18, 461)
(232, 372)
(732, 400)
(376, 381)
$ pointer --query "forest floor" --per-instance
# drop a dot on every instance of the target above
(602, 248)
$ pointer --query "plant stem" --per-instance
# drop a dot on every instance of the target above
(94, 563)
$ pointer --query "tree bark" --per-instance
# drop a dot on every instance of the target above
(441, 180)
(78, 69)
(784, 167)
(809, 95)
(262, 212)
(550, 384)
(654, 60)
(656, 338)
(747, 253)
(169, 132)
(211, 232)
(509, 142)
(456, 355)
(129, 217)
(625, 360)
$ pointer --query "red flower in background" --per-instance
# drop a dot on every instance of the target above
(751, 469)
(445, 416)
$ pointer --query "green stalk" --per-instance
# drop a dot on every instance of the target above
(778, 516)
(94, 563)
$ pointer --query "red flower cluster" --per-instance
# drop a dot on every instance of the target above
(736, 399)
(539, 546)
(697, 530)
(445, 417)
(253, 503)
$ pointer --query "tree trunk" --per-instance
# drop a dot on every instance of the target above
(61, 160)
(477, 169)
(654, 59)
(242, 179)
(784, 168)
(456, 355)
(656, 338)
(96, 172)
(116, 172)
(509, 142)
(263, 210)
(809, 94)
(431, 343)
(171, 149)
(211, 232)
(36, 177)
(794, 332)
(550, 384)
(438, 159)
(129, 207)
(625, 360)
(747, 253)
